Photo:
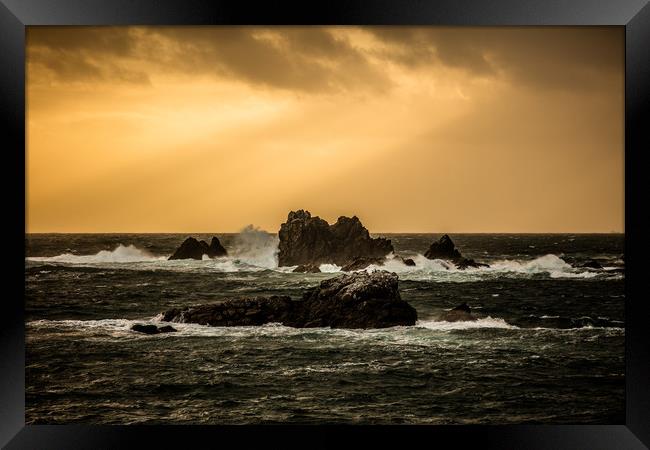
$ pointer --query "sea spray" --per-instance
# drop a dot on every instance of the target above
(256, 247)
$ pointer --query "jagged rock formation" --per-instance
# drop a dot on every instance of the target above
(461, 313)
(311, 240)
(358, 300)
(194, 249)
(446, 249)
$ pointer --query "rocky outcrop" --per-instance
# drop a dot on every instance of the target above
(446, 249)
(461, 313)
(237, 312)
(152, 329)
(358, 300)
(194, 249)
(307, 268)
(311, 240)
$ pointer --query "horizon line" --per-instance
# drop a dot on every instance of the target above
(371, 232)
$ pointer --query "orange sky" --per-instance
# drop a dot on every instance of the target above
(208, 129)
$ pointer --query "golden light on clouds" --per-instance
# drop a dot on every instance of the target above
(208, 129)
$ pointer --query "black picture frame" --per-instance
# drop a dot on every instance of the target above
(634, 15)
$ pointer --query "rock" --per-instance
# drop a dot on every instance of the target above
(446, 249)
(405, 261)
(236, 312)
(194, 249)
(592, 264)
(146, 329)
(464, 263)
(307, 268)
(443, 249)
(362, 263)
(357, 300)
(311, 240)
(216, 249)
(461, 313)
(152, 329)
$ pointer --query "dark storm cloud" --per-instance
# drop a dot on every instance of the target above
(316, 59)
(84, 53)
(541, 57)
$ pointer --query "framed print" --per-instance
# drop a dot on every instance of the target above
(418, 219)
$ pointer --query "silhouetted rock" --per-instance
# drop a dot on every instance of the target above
(194, 249)
(592, 264)
(461, 313)
(446, 249)
(307, 268)
(443, 249)
(216, 249)
(362, 263)
(311, 240)
(358, 300)
(152, 329)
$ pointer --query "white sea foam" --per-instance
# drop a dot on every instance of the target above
(255, 250)
(121, 254)
(486, 322)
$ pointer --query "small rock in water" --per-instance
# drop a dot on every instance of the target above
(592, 264)
(152, 329)
(307, 268)
(194, 249)
(461, 313)
(362, 263)
(146, 329)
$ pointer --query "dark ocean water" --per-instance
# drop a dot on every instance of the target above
(549, 347)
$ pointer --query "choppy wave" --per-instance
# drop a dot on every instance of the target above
(254, 250)
(551, 265)
(486, 322)
(121, 254)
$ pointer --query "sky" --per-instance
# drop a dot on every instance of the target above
(412, 129)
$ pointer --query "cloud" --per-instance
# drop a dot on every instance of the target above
(328, 59)
(538, 57)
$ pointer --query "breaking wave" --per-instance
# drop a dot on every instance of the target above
(121, 254)
(486, 322)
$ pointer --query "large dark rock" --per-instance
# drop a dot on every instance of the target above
(311, 240)
(194, 249)
(152, 329)
(461, 313)
(446, 249)
(358, 300)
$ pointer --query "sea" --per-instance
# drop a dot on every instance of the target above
(548, 346)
